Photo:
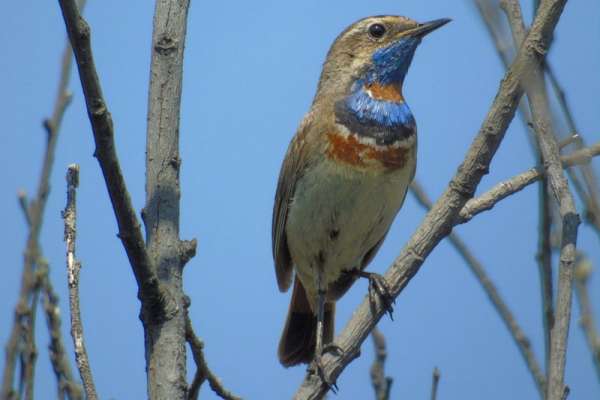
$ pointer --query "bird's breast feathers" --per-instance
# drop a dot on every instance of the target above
(363, 152)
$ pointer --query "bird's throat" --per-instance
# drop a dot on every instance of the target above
(378, 111)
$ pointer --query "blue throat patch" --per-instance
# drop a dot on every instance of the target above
(384, 120)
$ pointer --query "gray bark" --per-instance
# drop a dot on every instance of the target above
(165, 337)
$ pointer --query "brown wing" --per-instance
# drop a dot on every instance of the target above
(294, 163)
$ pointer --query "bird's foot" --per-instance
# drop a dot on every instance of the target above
(319, 368)
(378, 286)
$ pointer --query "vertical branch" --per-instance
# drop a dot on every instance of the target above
(491, 17)
(582, 274)
(591, 198)
(515, 330)
(73, 268)
(538, 103)
(23, 315)
(381, 384)
(435, 381)
(165, 339)
(544, 258)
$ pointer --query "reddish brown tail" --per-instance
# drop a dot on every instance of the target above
(297, 344)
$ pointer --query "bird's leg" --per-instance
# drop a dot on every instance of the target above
(378, 286)
(319, 347)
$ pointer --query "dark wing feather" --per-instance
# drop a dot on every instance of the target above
(293, 165)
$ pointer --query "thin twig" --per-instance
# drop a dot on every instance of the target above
(440, 220)
(66, 384)
(544, 258)
(591, 196)
(381, 384)
(490, 14)
(34, 214)
(583, 269)
(435, 381)
(73, 269)
(490, 17)
(488, 200)
(203, 373)
(130, 233)
(521, 340)
(538, 103)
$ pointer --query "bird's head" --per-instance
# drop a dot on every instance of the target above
(375, 50)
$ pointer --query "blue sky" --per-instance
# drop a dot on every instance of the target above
(251, 70)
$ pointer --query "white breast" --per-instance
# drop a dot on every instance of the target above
(339, 213)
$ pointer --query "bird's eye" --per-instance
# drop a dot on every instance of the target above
(377, 30)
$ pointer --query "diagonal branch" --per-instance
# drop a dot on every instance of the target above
(129, 227)
(203, 373)
(440, 220)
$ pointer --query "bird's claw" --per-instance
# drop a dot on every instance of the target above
(319, 369)
(378, 285)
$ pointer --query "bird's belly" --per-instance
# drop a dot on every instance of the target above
(337, 215)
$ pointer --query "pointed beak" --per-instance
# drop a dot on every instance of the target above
(428, 27)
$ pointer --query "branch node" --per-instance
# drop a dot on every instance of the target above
(187, 250)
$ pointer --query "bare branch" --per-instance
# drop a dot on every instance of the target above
(165, 344)
(381, 384)
(591, 196)
(544, 258)
(66, 383)
(435, 381)
(34, 213)
(511, 186)
(203, 372)
(583, 269)
(521, 340)
(491, 16)
(73, 268)
(129, 228)
(439, 221)
(58, 358)
(540, 110)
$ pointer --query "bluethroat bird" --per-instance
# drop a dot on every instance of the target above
(344, 178)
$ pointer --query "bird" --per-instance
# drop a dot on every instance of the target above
(344, 178)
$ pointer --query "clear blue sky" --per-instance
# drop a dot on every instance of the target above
(251, 70)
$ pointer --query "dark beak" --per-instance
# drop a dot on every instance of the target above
(428, 27)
